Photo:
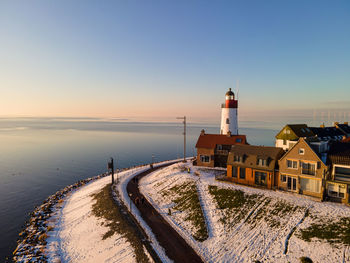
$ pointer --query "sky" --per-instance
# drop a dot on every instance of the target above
(161, 59)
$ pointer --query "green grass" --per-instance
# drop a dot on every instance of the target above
(185, 198)
(235, 204)
(333, 232)
(104, 207)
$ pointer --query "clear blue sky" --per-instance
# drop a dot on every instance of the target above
(167, 58)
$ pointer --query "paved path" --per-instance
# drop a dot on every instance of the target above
(174, 245)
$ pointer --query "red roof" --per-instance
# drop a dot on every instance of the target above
(210, 141)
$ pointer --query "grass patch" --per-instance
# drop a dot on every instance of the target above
(333, 232)
(235, 204)
(186, 199)
(104, 207)
(273, 212)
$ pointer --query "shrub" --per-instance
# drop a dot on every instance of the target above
(305, 260)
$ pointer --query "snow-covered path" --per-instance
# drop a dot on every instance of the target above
(77, 235)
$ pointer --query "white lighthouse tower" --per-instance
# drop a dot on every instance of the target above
(229, 121)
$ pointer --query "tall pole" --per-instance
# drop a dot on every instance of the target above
(184, 133)
(112, 170)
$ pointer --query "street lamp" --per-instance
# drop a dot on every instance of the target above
(130, 195)
(184, 133)
(110, 167)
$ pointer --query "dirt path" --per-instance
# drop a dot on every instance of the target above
(174, 245)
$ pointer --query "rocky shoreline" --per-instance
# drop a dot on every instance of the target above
(32, 240)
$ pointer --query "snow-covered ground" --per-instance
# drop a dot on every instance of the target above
(77, 233)
(260, 229)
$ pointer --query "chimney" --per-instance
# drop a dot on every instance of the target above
(202, 132)
(322, 125)
(229, 134)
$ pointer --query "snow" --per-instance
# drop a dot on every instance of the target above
(77, 235)
(121, 189)
(252, 238)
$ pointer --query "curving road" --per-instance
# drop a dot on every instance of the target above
(174, 245)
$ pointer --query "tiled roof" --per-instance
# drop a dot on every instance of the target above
(251, 153)
(210, 141)
(297, 131)
(325, 132)
(344, 128)
(339, 153)
(301, 130)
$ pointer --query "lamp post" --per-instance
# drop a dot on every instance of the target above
(130, 195)
(184, 133)
(110, 168)
(152, 161)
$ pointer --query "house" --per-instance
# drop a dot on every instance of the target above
(213, 149)
(254, 165)
(303, 170)
(290, 134)
(338, 183)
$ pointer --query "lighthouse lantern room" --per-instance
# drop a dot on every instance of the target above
(229, 123)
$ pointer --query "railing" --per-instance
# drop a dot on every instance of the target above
(308, 171)
(221, 152)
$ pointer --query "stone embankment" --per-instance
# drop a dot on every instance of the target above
(32, 240)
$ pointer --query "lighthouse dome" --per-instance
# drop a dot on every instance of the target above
(230, 93)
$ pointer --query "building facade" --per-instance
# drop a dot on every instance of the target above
(303, 171)
(338, 183)
(254, 165)
(213, 149)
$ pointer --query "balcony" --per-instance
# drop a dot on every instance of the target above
(221, 152)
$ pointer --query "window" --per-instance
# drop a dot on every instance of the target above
(292, 164)
(284, 142)
(238, 140)
(308, 168)
(336, 190)
(342, 173)
(227, 121)
(242, 173)
(283, 178)
(238, 159)
(262, 162)
(310, 185)
(260, 178)
(234, 171)
(219, 147)
(301, 151)
(205, 158)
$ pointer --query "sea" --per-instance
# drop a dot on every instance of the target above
(39, 156)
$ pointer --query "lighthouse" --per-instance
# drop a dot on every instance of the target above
(229, 121)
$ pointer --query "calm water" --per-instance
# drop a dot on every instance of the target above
(40, 156)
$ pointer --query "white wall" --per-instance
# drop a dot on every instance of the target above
(231, 114)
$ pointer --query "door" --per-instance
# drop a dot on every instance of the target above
(291, 183)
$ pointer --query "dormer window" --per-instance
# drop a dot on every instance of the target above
(238, 159)
(262, 162)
